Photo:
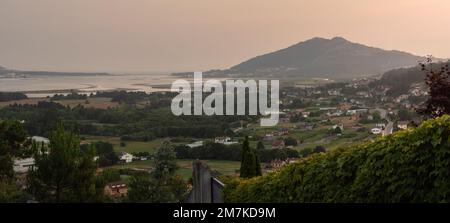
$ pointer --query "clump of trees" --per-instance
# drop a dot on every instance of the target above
(217, 151)
(66, 172)
(63, 172)
(71, 96)
(162, 185)
(438, 102)
(104, 151)
(13, 144)
(12, 96)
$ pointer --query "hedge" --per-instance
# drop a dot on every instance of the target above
(408, 166)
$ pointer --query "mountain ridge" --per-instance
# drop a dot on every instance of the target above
(320, 57)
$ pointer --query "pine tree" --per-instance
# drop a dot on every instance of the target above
(64, 173)
(258, 171)
(260, 146)
(250, 165)
(13, 143)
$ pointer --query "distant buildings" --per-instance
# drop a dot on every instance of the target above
(402, 124)
(278, 144)
(334, 92)
(125, 157)
(268, 137)
(357, 111)
(116, 189)
(277, 164)
(225, 140)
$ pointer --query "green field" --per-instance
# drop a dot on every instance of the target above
(130, 146)
(185, 166)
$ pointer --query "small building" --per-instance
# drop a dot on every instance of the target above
(305, 114)
(195, 144)
(40, 140)
(268, 137)
(402, 124)
(283, 131)
(116, 189)
(125, 157)
(224, 140)
(357, 111)
(335, 113)
(23, 165)
(278, 144)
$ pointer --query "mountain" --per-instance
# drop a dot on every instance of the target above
(326, 58)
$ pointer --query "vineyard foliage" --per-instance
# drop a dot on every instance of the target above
(408, 166)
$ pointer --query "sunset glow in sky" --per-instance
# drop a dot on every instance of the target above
(178, 35)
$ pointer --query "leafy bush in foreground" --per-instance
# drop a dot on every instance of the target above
(409, 166)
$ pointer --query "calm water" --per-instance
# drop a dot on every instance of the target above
(45, 85)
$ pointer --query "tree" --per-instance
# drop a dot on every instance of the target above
(319, 149)
(438, 102)
(104, 151)
(250, 165)
(145, 188)
(162, 185)
(260, 146)
(289, 141)
(165, 161)
(13, 143)
(376, 116)
(404, 114)
(64, 173)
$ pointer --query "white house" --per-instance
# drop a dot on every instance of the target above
(357, 111)
(195, 144)
(40, 139)
(306, 114)
(402, 124)
(126, 157)
(22, 165)
(224, 140)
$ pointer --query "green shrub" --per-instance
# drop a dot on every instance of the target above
(408, 166)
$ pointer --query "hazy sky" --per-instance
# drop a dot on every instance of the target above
(168, 35)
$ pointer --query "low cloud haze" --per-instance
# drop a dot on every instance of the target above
(173, 35)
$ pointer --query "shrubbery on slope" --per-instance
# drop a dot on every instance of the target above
(408, 166)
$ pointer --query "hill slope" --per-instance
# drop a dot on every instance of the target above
(400, 80)
(326, 58)
(408, 166)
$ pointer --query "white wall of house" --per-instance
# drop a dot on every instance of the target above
(126, 157)
(22, 165)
